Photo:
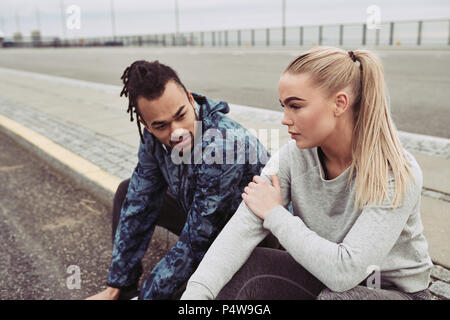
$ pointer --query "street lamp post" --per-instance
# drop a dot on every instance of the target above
(17, 22)
(63, 20)
(38, 19)
(283, 22)
(177, 18)
(113, 21)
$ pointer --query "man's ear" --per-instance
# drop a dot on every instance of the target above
(191, 98)
(342, 103)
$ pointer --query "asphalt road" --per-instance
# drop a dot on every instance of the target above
(418, 79)
(48, 224)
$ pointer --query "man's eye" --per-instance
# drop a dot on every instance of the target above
(161, 127)
(182, 116)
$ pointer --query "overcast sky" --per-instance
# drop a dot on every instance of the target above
(152, 16)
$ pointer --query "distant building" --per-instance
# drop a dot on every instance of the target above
(36, 38)
(17, 37)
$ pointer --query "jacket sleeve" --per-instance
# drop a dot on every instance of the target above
(139, 214)
(216, 187)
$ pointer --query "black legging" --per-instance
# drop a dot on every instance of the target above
(171, 217)
(271, 274)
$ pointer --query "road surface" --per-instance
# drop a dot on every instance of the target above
(418, 79)
(48, 224)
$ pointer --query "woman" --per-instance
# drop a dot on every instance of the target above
(354, 190)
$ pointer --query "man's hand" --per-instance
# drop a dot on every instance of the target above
(261, 197)
(108, 294)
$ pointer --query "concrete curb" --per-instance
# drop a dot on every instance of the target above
(87, 175)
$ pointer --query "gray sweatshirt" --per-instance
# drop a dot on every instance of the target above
(339, 245)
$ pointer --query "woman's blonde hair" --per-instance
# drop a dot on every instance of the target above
(376, 148)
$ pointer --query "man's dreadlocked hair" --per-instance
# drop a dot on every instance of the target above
(146, 79)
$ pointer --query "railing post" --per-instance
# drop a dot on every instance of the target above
(268, 37)
(320, 35)
(239, 38)
(391, 34)
(419, 34)
(377, 37)
(226, 38)
(202, 39)
(301, 36)
(449, 32)
(213, 38)
(284, 35)
(341, 34)
(364, 34)
(253, 37)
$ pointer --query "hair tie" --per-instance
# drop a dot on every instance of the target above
(352, 55)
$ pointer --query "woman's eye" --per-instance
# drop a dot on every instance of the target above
(295, 107)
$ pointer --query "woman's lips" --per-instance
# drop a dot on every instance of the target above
(294, 134)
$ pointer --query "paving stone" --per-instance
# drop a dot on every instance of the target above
(441, 289)
(114, 156)
(440, 273)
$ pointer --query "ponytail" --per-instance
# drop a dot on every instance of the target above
(376, 148)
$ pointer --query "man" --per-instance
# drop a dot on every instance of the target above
(189, 179)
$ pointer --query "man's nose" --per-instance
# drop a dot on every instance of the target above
(177, 133)
(176, 126)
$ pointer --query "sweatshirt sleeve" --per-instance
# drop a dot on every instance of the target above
(342, 266)
(233, 245)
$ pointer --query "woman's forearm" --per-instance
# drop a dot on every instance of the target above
(226, 255)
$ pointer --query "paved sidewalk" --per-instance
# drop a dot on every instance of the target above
(89, 120)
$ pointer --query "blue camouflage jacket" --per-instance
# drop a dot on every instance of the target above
(208, 191)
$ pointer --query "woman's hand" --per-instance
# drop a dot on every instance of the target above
(261, 197)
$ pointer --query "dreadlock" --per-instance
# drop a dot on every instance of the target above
(148, 80)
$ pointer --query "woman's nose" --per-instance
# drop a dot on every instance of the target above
(286, 121)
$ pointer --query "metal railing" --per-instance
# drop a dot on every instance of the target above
(400, 33)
